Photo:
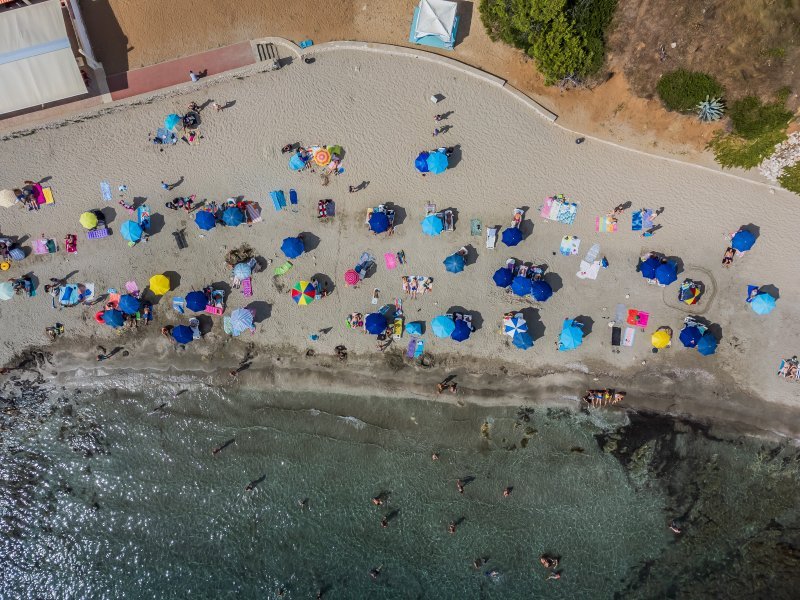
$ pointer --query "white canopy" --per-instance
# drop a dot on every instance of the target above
(37, 64)
(436, 17)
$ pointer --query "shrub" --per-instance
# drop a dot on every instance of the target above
(559, 51)
(790, 178)
(752, 119)
(734, 151)
(683, 90)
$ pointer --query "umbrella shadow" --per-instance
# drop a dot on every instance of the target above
(262, 309)
(206, 323)
(222, 285)
(477, 318)
(678, 262)
(310, 241)
(754, 229)
(455, 215)
(714, 328)
(109, 214)
(399, 213)
(770, 289)
(536, 327)
(455, 157)
(156, 223)
(174, 279)
(587, 322)
(325, 282)
(472, 255)
(526, 226)
(554, 280)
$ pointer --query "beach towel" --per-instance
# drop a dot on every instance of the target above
(412, 348)
(253, 211)
(642, 219)
(88, 293)
(547, 211)
(178, 304)
(47, 195)
(616, 336)
(226, 326)
(630, 333)
(132, 288)
(283, 269)
(475, 227)
(293, 200)
(750, 290)
(247, 287)
(44, 246)
(638, 318)
(278, 199)
(420, 349)
(105, 191)
(588, 270)
(97, 234)
(569, 245)
(567, 213)
(143, 217)
(390, 258)
(605, 225)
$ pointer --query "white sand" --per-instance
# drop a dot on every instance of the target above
(377, 108)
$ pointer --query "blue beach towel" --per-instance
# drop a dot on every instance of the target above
(567, 213)
(278, 199)
(293, 200)
(105, 191)
(642, 219)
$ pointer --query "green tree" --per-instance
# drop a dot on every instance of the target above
(560, 51)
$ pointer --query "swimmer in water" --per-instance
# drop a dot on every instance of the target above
(435, 456)
(303, 503)
(460, 486)
(554, 575)
(451, 528)
(158, 408)
(479, 562)
(674, 528)
(506, 492)
(375, 573)
(493, 574)
(548, 562)
(377, 501)
(384, 522)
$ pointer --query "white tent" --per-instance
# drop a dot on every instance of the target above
(436, 17)
(37, 64)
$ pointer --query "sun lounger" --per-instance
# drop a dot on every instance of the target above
(278, 199)
(97, 234)
(491, 237)
(449, 220)
(247, 287)
(616, 336)
(105, 191)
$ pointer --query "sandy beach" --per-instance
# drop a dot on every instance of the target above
(507, 157)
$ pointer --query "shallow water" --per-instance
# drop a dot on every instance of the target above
(105, 499)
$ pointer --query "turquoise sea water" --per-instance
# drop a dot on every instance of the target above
(101, 498)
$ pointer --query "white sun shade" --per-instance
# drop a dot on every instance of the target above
(436, 17)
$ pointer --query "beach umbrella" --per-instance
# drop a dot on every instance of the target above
(303, 293)
(129, 304)
(351, 277)
(375, 323)
(514, 325)
(159, 284)
(437, 162)
(503, 277)
(763, 304)
(512, 236)
(241, 321)
(666, 273)
(242, 270)
(541, 290)
(7, 198)
(232, 217)
(648, 267)
(88, 220)
(461, 331)
(131, 231)
(660, 339)
(6, 290)
(322, 157)
(442, 326)
(414, 328)
(421, 162)
(522, 341)
(205, 220)
(743, 240)
(113, 318)
(689, 336)
(454, 263)
(292, 247)
(172, 121)
(571, 335)
(336, 151)
(378, 222)
(182, 334)
(432, 225)
(296, 162)
(521, 286)
(707, 344)
(196, 301)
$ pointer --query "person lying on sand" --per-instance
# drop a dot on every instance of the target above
(727, 258)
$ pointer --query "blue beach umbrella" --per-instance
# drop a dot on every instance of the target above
(241, 321)
(129, 304)
(512, 236)
(743, 240)
(503, 277)
(242, 271)
(437, 162)
(113, 318)
(571, 336)
(648, 267)
(689, 336)
(182, 334)
(541, 290)
(172, 121)
(454, 263)
(296, 162)
(421, 162)
(205, 220)
(293, 247)
(232, 217)
(763, 304)
(442, 326)
(523, 341)
(432, 225)
(378, 222)
(666, 273)
(514, 325)
(461, 331)
(131, 231)
(196, 301)
(521, 286)
(707, 344)
(414, 328)
(375, 323)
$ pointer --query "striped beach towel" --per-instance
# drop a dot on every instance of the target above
(605, 225)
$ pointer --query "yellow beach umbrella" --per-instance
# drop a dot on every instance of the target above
(88, 220)
(159, 284)
(661, 339)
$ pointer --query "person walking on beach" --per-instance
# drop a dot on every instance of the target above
(193, 77)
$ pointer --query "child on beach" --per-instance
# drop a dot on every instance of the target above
(412, 287)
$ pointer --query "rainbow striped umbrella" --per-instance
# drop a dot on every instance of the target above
(303, 293)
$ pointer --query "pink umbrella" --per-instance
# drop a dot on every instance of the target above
(351, 277)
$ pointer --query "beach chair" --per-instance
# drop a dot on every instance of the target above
(491, 237)
(449, 220)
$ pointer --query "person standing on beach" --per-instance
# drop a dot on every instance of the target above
(193, 77)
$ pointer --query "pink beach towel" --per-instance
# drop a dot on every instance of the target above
(638, 318)
(630, 333)
(247, 287)
(546, 207)
(132, 288)
(391, 260)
